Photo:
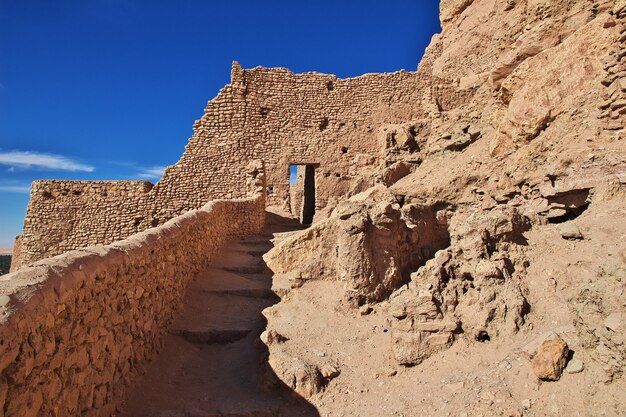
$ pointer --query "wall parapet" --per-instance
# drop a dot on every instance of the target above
(76, 329)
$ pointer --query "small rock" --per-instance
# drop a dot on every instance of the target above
(487, 270)
(550, 359)
(530, 350)
(297, 284)
(329, 372)
(527, 403)
(304, 378)
(4, 300)
(139, 293)
(270, 337)
(570, 231)
(398, 312)
(474, 132)
(613, 321)
(487, 397)
(575, 366)
(390, 371)
(364, 310)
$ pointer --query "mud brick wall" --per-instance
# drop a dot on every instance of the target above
(76, 329)
(284, 118)
(268, 115)
(66, 215)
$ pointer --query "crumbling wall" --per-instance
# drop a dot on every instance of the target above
(77, 328)
(272, 115)
(65, 215)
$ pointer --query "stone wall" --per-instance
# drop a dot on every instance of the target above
(77, 328)
(271, 115)
(66, 215)
(284, 118)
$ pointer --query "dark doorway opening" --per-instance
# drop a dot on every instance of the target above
(302, 192)
(308, 208)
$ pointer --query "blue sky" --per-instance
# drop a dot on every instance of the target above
(109, 89)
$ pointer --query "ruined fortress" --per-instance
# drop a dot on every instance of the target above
(268, 115)
(461, 238)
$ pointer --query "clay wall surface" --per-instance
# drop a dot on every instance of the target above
(284, 118)
(66, 215)
(77, 328)
(271, 115)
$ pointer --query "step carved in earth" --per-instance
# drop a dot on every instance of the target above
(252, 269)
(212, 336)
(264, 293)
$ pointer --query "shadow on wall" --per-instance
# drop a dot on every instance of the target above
(302, 192)
(213, 361)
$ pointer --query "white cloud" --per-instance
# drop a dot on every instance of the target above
(22, 189)
(27, 159)
(153, 173)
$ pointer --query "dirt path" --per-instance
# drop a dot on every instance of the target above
(212, 362)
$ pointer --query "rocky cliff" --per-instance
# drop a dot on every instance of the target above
(490, 257)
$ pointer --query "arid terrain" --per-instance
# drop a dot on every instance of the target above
(511, 228)
(466, 257)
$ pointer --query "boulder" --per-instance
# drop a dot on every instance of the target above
(550, 360)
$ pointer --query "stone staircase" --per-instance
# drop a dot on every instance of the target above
(212, 362)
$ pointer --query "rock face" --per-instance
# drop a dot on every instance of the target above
(519, 156)
(473, 286)
(369, 243)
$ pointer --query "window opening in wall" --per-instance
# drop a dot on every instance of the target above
(302, 191)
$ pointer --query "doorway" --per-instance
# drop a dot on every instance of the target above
(302, 191)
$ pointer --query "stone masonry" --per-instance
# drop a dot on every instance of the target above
(271, 115)
(77, 328)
